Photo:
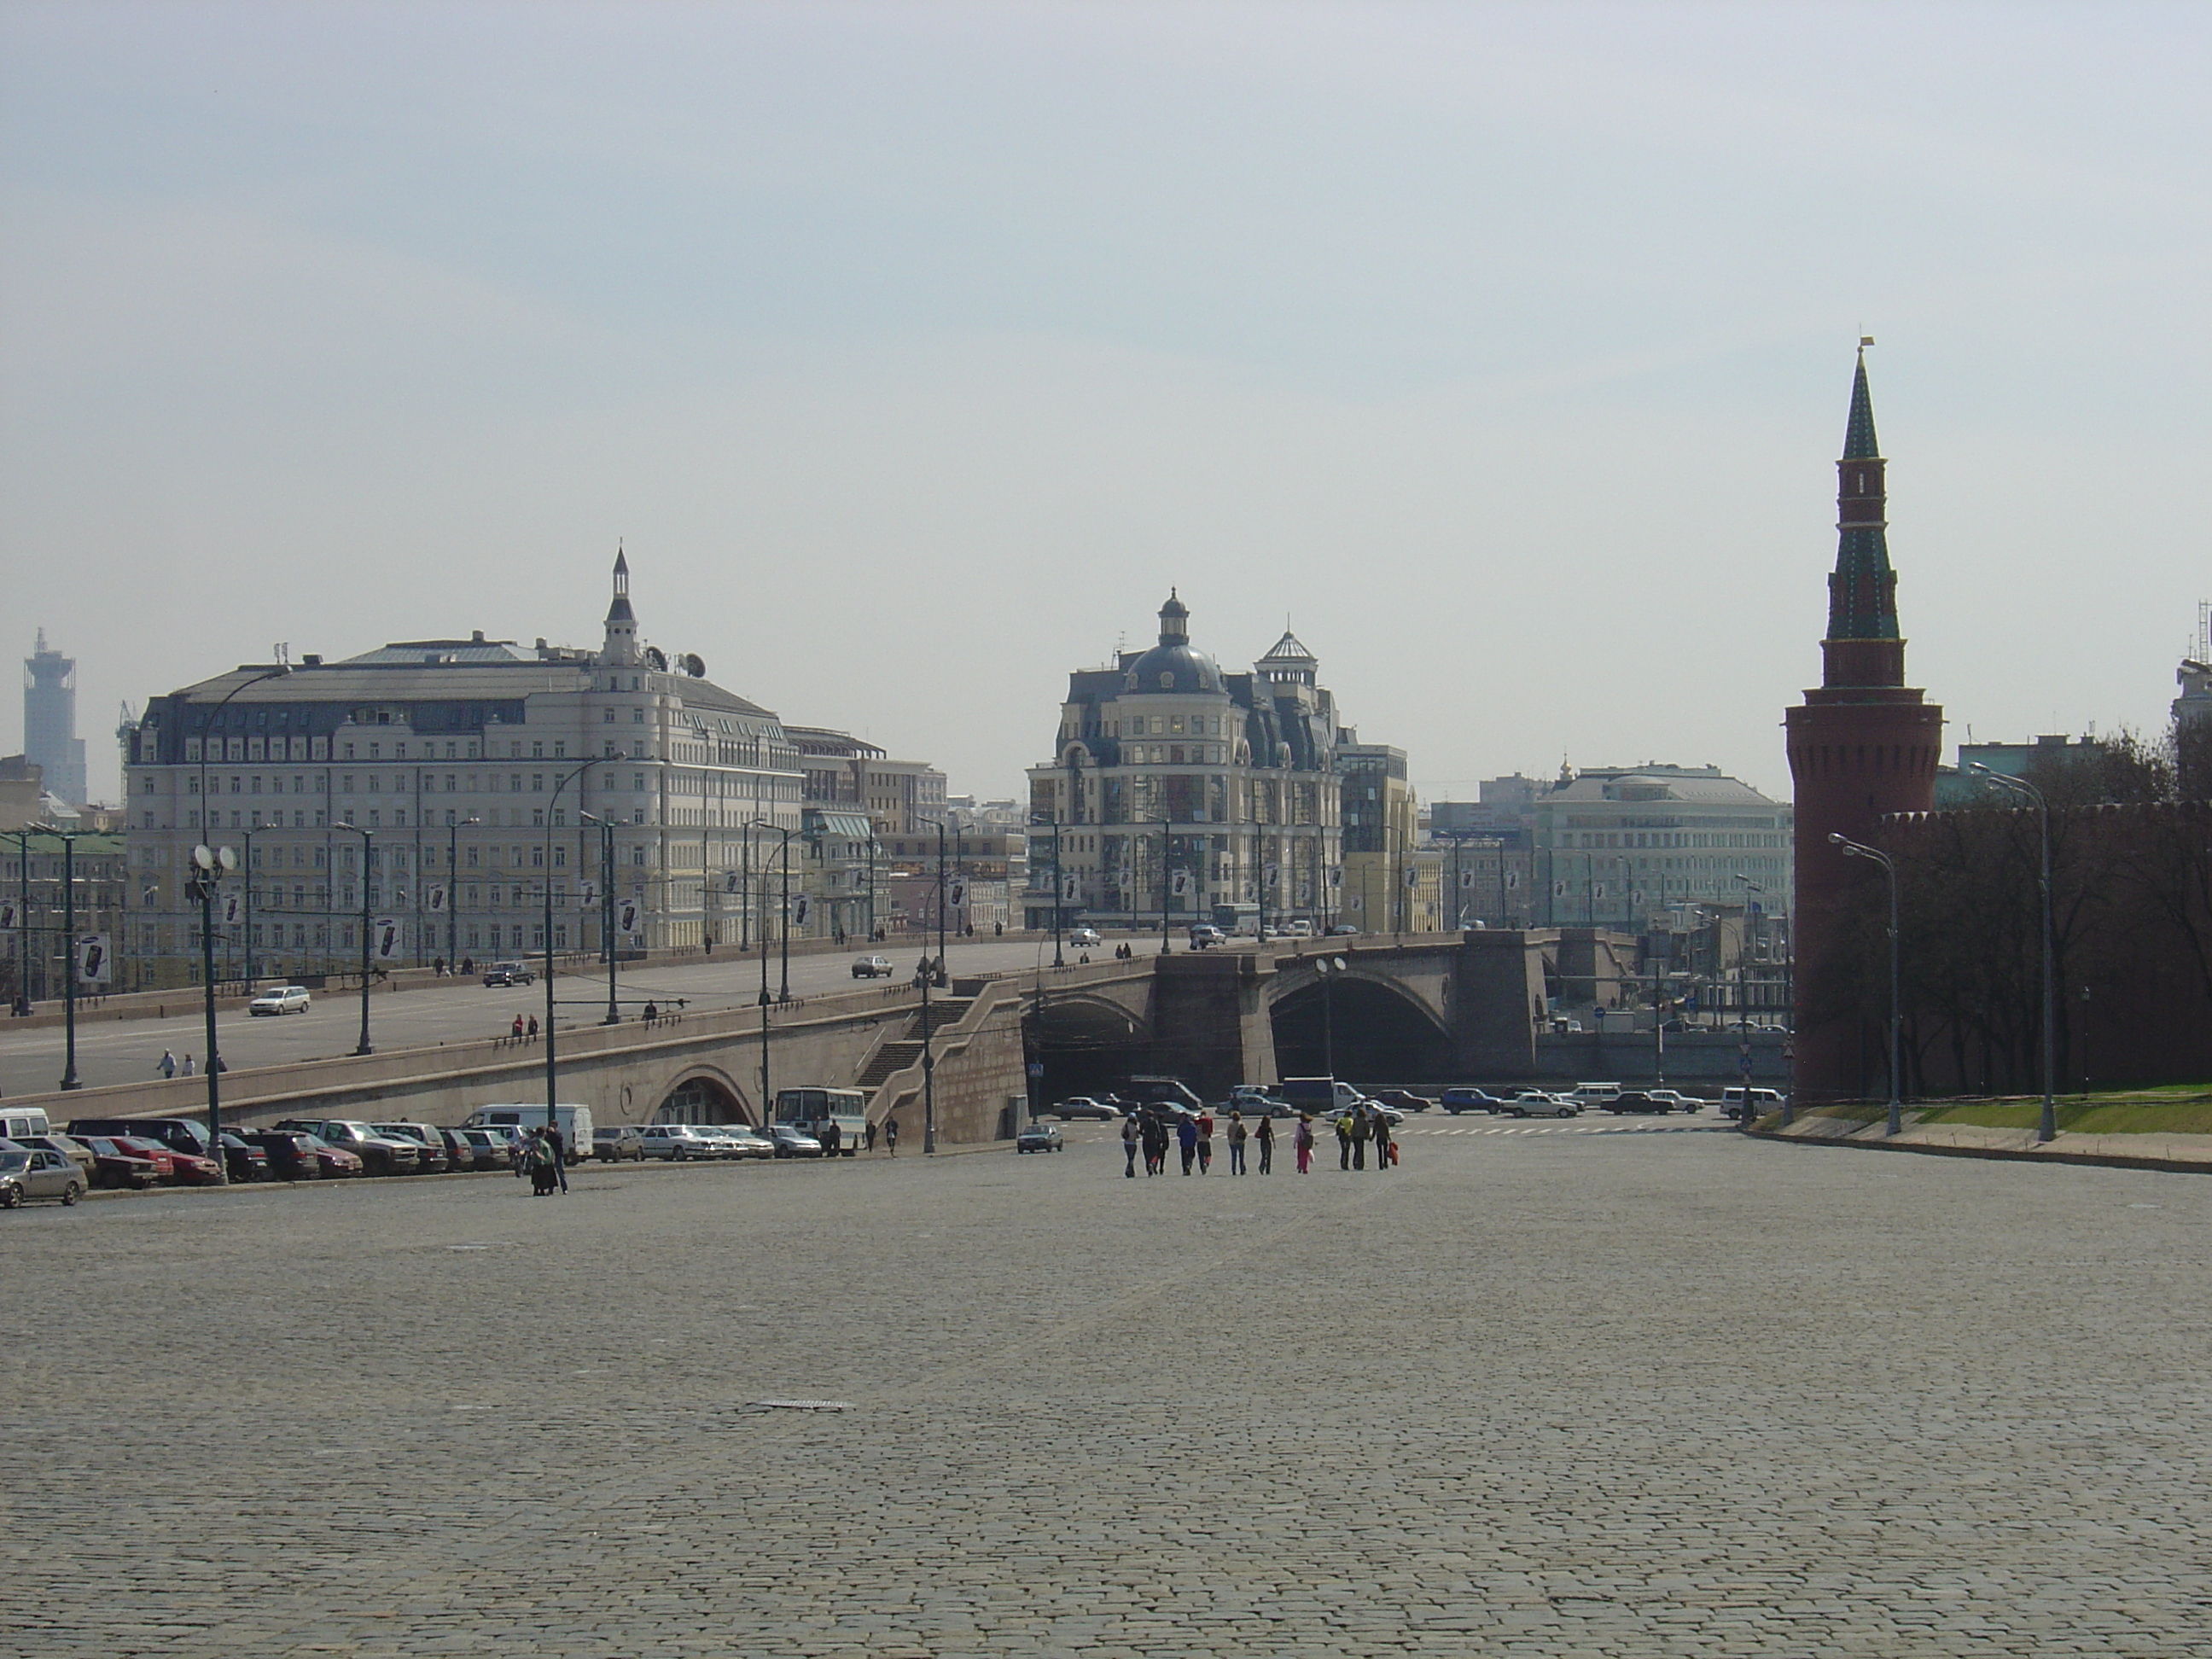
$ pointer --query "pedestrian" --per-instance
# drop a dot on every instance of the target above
(1380, 1133)
(870, 1135)
(1344, 1140)
(998, 930)
(186, 1068)
(1187, 1139)
(517, 1032)
(1205, 1143)
(468, 965)
(1302, 1139)
(1265, 1135)
(832, 1138)
(533, 1028)
(1356, 1121)
(166, 1066)
(1132, 1141)
(891, 1136)
(542, 1161)
(1237, 1136)
(651, 1011)
(437, 967)
(1155, 1144)
(553, 1139)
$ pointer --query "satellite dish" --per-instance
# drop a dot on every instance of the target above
(228, 857)
(694, 664)
(202, 859)
(656, 659)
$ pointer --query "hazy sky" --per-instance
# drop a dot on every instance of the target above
(916, 350)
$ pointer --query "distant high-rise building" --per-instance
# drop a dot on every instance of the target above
(50, 739)
(1863, 744)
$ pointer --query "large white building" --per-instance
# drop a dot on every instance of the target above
(1176, 788)
(480, 774)
(1616, 846)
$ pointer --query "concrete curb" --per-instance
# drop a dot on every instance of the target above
(2006, 1154)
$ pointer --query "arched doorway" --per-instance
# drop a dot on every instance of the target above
(702, 1098)
(1084, 1047)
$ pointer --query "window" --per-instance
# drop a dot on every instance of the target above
(637, 715)
(538, 752)
(609, 715)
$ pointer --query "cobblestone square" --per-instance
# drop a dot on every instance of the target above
(1546, 1394)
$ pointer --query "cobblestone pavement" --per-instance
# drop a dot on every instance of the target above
(1634, 1395)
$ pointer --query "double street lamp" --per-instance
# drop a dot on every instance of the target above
(1852, 849)
(368, 863)
(1329, 968)
(2047, 1128)
(928, 1048)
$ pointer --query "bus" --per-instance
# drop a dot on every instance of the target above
(815, 1110)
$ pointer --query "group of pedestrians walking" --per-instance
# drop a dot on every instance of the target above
(1152, 1132)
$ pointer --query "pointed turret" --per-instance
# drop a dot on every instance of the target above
(621, 644)
(1863, 646)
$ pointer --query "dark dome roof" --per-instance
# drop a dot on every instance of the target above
(1174, 668)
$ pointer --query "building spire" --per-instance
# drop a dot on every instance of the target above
(1863, 646)
(621, 644)
(1175, 621)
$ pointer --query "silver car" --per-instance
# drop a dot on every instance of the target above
(791, 1141)
(27, 1173)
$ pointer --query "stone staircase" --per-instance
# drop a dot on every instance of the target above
(899, 1053)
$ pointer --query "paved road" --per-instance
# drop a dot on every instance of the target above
(126, 1051)
(1644, 1394)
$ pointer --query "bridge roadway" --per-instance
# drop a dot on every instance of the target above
(461, 1009)
(1662, 1393)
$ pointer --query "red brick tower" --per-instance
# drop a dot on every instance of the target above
(1863, 744)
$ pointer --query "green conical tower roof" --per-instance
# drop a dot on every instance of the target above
(1862, 591)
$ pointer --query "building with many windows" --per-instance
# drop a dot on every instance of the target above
(1617, 846)
(50, 739)
(1176, 789)
(453, 788)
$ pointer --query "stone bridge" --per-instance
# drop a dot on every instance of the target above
(1420, 1008)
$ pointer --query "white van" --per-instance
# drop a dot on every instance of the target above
(1763, 1101)
(17, 1121)
(575, 1123)
(1596, 1094)
(1298, 927)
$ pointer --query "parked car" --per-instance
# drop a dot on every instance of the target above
(791, 1141)
(1082, 1106)
(183, 1134)
(186, 1169)
(679, 1143)
(719, 1142)
(508, 973)
(1465, 1097)
(1762, 1102)
(280, 1000)
(618, 1143)
(751, 1143)
(1636, 1101)
(68, 1145)
(1085, 938)
(30, 1172)
(1203, 933)
(291, 1156)
(117, 1165)
(1040, 1138)
(431, 1158)
(381, 1154)
(871, 967)
(242, 1160)
(1533, 1103)
(1404, 1099)
(1343, 929)
(1675, 1100)
(336, 1162)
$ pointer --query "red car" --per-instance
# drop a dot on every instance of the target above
(333, 1161)
(113, 1164)
(186, 1169)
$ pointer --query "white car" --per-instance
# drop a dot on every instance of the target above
(1086, 938)
(280, 1000)
(1532, 1102)
(679, 1143)
(1675, 1100)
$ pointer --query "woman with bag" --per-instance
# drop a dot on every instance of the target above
(1302, 1141)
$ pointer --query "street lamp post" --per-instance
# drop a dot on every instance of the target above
(1743, 993)
(783, 929)
(928, 1048)
(208, 867)
(2047, 1128)
(552, 802)
(1059, 959)
(606, 829)
(207, 815)
(368, 856)
(453, 891)
(1852, 849)
(1326, 967)
(1167, 878)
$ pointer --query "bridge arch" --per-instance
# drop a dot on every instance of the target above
(703, 1094)
(1087, 1044)
(1381, 1032)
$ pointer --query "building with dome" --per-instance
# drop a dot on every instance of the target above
(1176, 789)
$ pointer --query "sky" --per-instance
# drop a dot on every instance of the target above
(914, 351)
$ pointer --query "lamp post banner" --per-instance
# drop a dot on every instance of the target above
(1179, 883)
(8, 917)
(232, 910)
(625, 917)
(437, 901)
(955, 895)
(92, 957)
(388, 938)
(799, 908)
